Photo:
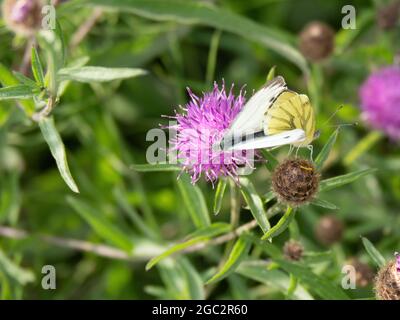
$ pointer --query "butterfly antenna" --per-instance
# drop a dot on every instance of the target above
(333, 114)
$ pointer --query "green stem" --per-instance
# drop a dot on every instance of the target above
(282, 224)
(212, 56)
(361, 147)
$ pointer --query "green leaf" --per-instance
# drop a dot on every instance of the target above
(190, 12)
(37, 68)
(239, 252)
(324, 204)
(270, 195)
(98, 74)
(323, 155)
(194, 282)
(13, 271)
(362, 146)
(255, 204)
(104, 228)
(271, 162)
(258, 271)
(159, 167)
(271, 74)
(8, 79)
(26, 81)
(281, 226)
(16, 92)
(200, 235)
(373, 252)
(194, 202)
(332, 183)
(134, 216)
(57, 149)
(316, 283)
(219, 195)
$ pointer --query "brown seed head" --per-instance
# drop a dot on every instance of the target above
(295, 181)
(387, 282)
(388, 16)
(293, 250)
(364, 273)
(329, 230)
(24, 17)
(317, 41)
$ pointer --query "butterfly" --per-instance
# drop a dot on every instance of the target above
(273, 116)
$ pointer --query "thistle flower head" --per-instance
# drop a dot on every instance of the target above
(293, 250)
(22, 16)
(200, 127)
(380, 96)
(317, 41)
(387, 282)
(295, 181)
(329, 230)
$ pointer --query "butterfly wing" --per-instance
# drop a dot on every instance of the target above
(251, 118)
(279, 139)
(291, 111)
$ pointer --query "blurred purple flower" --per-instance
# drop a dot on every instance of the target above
(397, 261)
(200, 126)
(380, 100)
(22, 10)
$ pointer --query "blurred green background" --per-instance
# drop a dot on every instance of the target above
(104, 129)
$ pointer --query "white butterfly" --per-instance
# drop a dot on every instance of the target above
(273, 116)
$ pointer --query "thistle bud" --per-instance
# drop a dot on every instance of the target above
(22, 16)
(293, 250)
(388, 16)
(317, 41)
(387, 282)
(329, 230)
(364, 273)
(295, 181)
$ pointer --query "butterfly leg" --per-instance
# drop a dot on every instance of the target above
(290, 150)
(297, 151)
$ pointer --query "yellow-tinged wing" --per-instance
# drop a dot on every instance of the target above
(291, 111)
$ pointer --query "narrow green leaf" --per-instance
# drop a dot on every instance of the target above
(255, 204)
(200, 235)
(57, 149)
(281, 226)
(37, 68)
(239, 252)
(16, 92)
(270, 195)
(258, 271)
(194, 202)
(271, 74)
(323, 155)
(98, 74)
(316, 283)
(159, 167)
(8, 79)
(335, 182)
(134, 216)
(194, 282)
(219, 195)
(271, 162)
(362, 146)
(192, 12)
(13, 271)
(105, 229)
(26, 81)
(375, 255)
(324, 204)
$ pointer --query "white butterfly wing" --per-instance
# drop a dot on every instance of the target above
(251, 117)
(274, 140)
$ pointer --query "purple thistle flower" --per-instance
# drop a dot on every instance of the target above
(380, 100)
(22, 10)
(397, 261)
(200, 127)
